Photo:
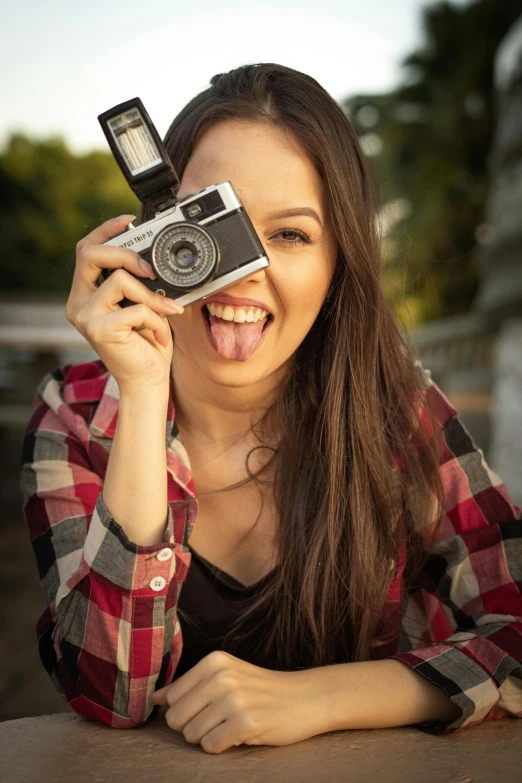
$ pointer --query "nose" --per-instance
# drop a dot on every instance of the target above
(257, 276)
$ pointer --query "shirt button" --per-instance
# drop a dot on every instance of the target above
(158, 583)
(164, 554)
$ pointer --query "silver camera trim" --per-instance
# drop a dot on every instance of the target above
(141, 237)
(204, 291)
(139, 240)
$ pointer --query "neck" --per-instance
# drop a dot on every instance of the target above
(215, 414)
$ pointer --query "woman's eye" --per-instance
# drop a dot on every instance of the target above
(293, 237)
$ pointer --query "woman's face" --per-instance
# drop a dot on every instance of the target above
(284, 197)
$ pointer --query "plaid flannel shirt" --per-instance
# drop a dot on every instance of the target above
(110, 635)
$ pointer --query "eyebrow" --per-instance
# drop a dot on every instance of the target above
(294, 212)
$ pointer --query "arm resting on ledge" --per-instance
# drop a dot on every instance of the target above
(379, 695)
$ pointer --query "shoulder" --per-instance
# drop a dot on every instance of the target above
(439, 417)
(475, 497)
(69, 384)
(67, 396)
(436, 403)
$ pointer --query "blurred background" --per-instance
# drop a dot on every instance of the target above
(434, 90)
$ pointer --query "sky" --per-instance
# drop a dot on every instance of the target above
(64, 62)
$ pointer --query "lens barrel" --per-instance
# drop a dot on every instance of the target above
(184, 255)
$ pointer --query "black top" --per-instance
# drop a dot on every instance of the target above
(212, 599)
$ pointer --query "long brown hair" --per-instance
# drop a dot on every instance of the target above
(349, 405)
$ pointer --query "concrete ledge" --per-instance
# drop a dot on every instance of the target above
(63, 748)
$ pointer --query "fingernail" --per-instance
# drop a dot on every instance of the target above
(127, 217)
(173, 306)
(147, 268)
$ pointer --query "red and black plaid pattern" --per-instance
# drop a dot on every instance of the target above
(108, 639)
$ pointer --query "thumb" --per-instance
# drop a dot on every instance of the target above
(159, 696)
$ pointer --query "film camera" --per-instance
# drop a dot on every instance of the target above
(197, 245)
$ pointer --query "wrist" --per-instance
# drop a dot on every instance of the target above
(135, 485)
(322, 684)
(145, 391)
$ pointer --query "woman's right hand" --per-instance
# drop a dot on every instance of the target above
(135, 359)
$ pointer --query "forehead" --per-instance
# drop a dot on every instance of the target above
(265, 164)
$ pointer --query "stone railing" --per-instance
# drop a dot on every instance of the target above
(36, 336)
(459, 352)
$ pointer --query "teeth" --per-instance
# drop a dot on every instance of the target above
(228, 314)
(238, 314)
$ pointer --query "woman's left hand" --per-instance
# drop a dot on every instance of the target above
(224, 701)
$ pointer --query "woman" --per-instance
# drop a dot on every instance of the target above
(275, 530)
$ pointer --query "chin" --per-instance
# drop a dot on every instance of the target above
(236, 374)
(231, 373)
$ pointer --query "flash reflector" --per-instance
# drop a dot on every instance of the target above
(135, 142)
(140, 153)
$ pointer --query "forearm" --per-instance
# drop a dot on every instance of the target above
(378, 695)
(135, 484)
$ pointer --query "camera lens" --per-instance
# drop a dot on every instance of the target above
(185, 255)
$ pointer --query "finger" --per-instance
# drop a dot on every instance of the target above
(108, 230)
(209, 664)
(206, 719)
(90, 262)
(162, 337)
(116, 326)
(235, 730)
(160, 696)
(184, 684)
(92, 259)
(187, 707)
(122, 285)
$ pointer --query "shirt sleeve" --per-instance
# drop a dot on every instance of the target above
(107, 633)
(470, 597)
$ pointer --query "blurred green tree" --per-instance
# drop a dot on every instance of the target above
(49, 199)
(428, 143)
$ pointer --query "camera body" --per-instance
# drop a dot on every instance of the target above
(197, 245)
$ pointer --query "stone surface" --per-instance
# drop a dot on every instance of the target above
(499, 300)
(64, 748)
(500, 294)
(506, 441)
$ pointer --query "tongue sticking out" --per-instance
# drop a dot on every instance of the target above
(235, 341)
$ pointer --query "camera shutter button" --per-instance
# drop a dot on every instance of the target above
(164, 554)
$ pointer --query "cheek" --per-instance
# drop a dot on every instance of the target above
(301, 312)
(302, 285)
